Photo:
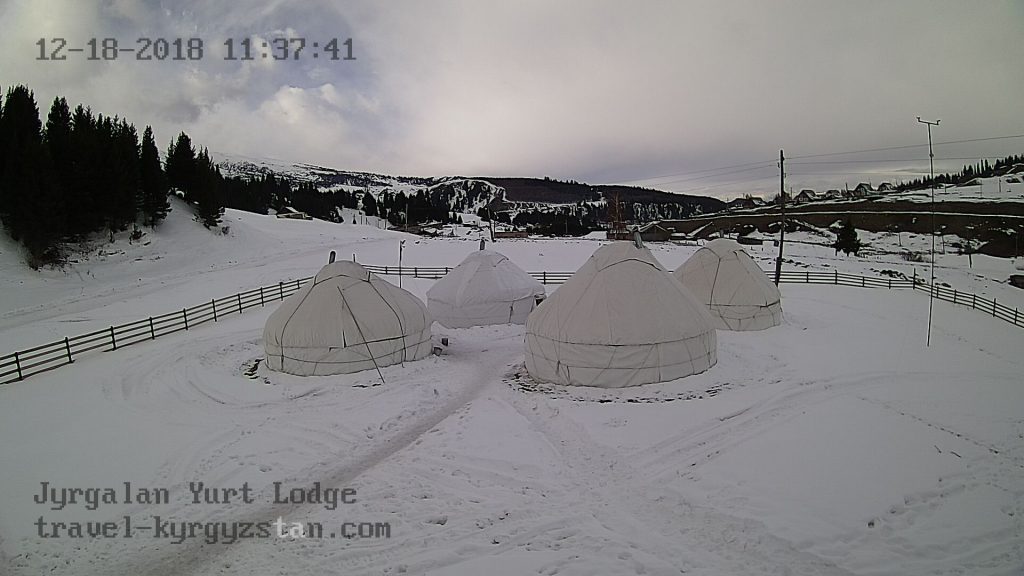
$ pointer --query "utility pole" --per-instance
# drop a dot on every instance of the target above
(782, 215)
(401, 246)
(931, 173)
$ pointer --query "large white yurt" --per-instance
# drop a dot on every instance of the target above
(736, 291)
(486, 288)
(620, 320)
(346, 320)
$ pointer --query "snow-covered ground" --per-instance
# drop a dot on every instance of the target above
(836, 443)
(1007, 188)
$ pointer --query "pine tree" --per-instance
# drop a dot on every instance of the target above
(369, 204)
(208, 190)
(57, 138)
(125, 194)
(30, 203)
(86, 186)
(152, 182)
(180, 165)
(846, 239)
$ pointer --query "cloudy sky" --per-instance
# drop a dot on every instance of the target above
(663, 93)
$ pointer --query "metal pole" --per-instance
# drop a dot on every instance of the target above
(931, 173)
(401, 246)
(782, 215)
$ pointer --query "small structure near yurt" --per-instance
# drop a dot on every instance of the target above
(346, 320)
(620, 320)
(726, 279)
(486, 288)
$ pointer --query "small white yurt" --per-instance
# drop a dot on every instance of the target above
(486, 288)
(346, 320)
(620, 320)
(736, 291)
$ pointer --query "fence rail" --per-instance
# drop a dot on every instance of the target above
(30, 361)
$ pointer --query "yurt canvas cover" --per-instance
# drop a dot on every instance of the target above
(620, 320)
(346, 320)
(726, 279)
(486, 288)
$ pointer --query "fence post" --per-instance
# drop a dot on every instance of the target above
(113, 342)
(954, 295)
(280, 289)
(544, 275)
(1014, 316)
(836, 282)
(993, 306)
(415, 272)
(17, 364)
(261, 296)
(239, 302)
(184, 314)
(890, 283)
(915, 278)
(297, 280)
(67, 347)
(974, 301)
(213, 302)
(152, 333)
(807, 278)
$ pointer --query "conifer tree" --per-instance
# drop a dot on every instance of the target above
(30, 203)
(152, 182)
(846, 239)
(369, 204)
(208, 190)
(180, 165)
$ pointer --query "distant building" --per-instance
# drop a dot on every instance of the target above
(863, 189)
(834, 194)
(886, 187)
(806, 195)
(744, 202)
(512, 234)
(650, 232)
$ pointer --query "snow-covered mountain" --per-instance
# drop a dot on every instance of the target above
(469, 194)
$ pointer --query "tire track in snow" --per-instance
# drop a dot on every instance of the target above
(477, 369)
(695, 538)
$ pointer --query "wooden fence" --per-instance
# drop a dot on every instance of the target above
(24, 363)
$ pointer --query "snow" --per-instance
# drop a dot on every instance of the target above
(835, 443)
(994, 189)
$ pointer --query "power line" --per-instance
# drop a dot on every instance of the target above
(882, 160)
(690, 172)
(909, 146)
(721, 184)
(682, 180)
(707, 173)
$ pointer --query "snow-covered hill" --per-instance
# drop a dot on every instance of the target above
(836, 443)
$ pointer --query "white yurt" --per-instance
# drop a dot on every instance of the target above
(620, 320)
(736, 291)
(346, 320)
(486, 288)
